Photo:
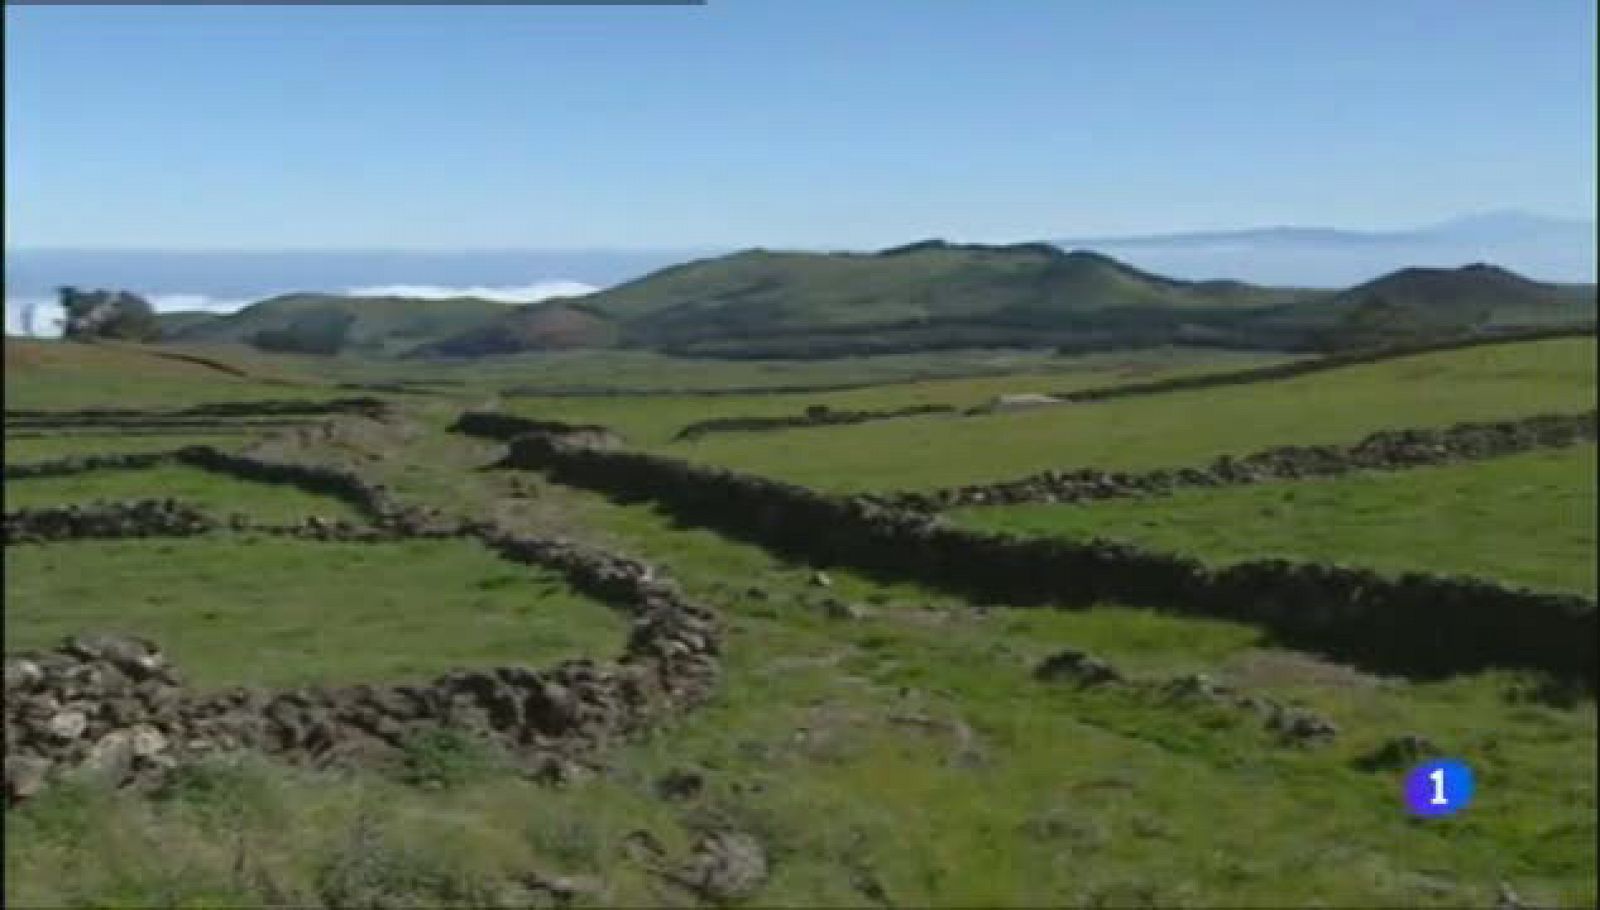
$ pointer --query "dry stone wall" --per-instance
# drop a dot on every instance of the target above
(113, 706)
(502, 426)
(1317, 365)
(370, 407)
(813, 417)
(1416, 624)
(1387, 450)
(138, 518)
(83, 464)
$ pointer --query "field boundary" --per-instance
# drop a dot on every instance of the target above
(128, 716)
(1385, 450)
(1419, 624)
(1296, 368)
(815, 416)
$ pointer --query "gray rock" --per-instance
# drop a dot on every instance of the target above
(726, 866)
(68, 725)
(1076, 666)
(25, 776)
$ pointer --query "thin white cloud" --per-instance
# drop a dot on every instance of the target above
(528, 293)
(40, 316)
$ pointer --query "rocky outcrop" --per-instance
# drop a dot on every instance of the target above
(137, 518)
(1417, 624)
(113, 706)
(1387, 450)
(815, 416)
(1293, 726)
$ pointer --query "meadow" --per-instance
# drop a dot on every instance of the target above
(1170, 430)
(1528, 519)
(24, 449)
(886, 743)
(217, 494)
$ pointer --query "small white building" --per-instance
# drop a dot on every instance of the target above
(1021, 401)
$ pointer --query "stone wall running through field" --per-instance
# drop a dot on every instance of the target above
(113, 707)
(1417, 624)
(813, 417)
(1386, 450)
(1297, 368)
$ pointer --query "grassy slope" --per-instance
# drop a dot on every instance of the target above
(65, 375)
(1179, 428)
(822, 289)
(215, 493)
(1528, 519)
(266, 611)
(652, 422)
(388, 324)
(755, 295)
(61, 445)
(1075, 797)
(647, 370)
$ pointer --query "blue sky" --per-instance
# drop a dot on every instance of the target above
(797, 123)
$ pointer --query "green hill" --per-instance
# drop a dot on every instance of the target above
(926, 295)
(531, 327)
(1418, 304)
(175, 323)
(326, 323)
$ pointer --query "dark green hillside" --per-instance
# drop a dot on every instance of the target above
(925, 296)
(1419, 304)
(175, 323)
(759, 292)
(313, 322)
(533, 327)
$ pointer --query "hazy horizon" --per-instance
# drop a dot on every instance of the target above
(227, 280)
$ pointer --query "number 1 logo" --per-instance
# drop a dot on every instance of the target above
(1441, 787)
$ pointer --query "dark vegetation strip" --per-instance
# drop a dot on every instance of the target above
(366, 406)
(505, 427)
(598, 391)
(1295, 368)
(815, 416)
(83, 464)
(1385, 450)
(90, 432)
(120, 425)
(1417, 624)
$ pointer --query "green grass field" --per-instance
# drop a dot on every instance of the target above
(268, 611)
(1175, 429)
(61, 445)
(1527, 519)
(66, 375)
(217, 494)
(903, 758)
(652, 422)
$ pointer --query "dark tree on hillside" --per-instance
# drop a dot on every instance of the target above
(107, 314)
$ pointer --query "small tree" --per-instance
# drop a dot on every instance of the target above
(106, 314)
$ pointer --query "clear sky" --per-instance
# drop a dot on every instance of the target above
(811, 122)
